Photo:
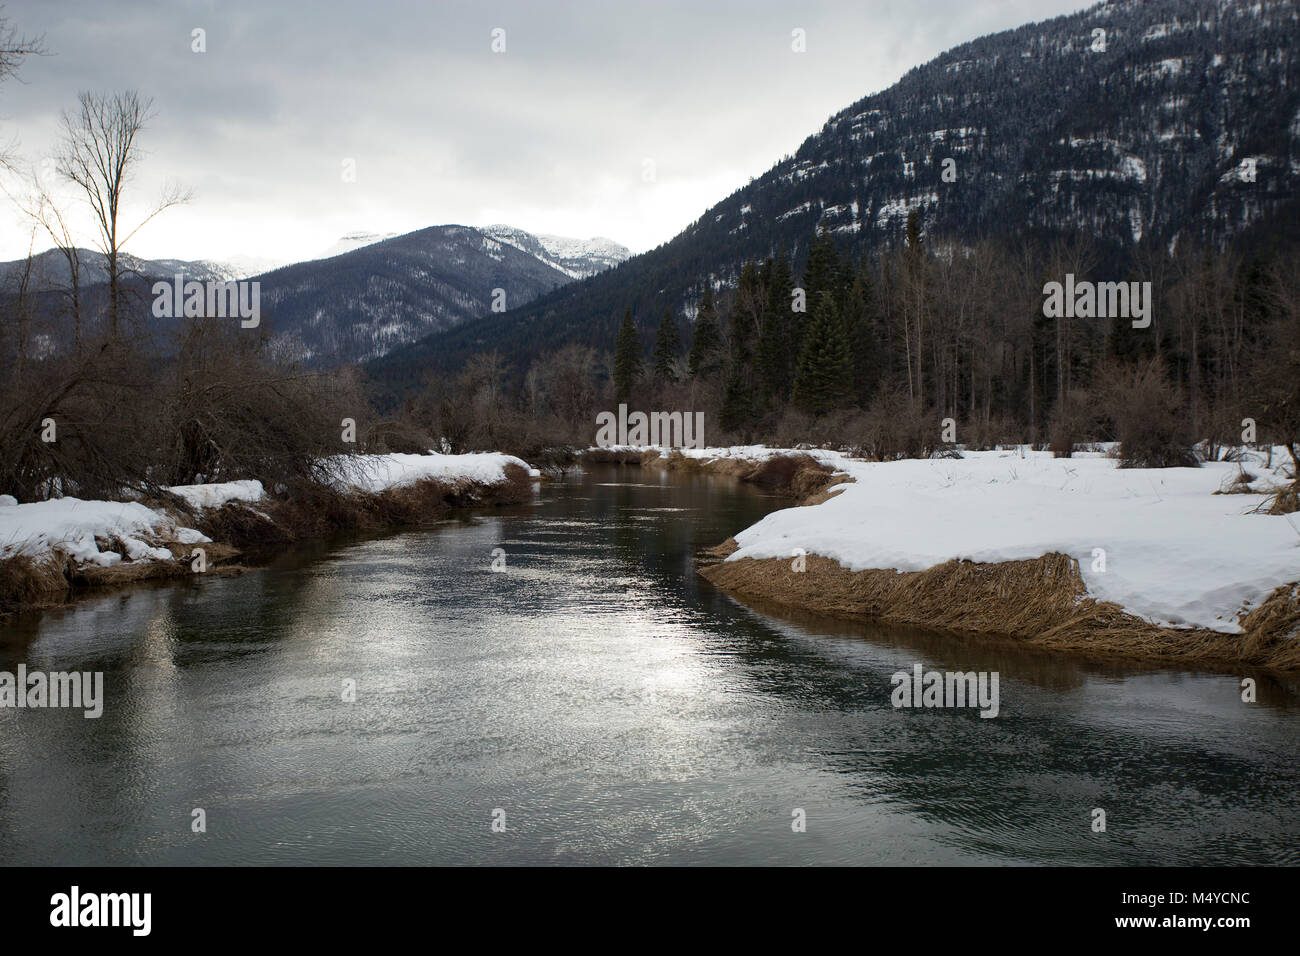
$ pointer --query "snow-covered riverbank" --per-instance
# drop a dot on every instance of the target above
(108, 533)
(1075, 554)
(1160, 543)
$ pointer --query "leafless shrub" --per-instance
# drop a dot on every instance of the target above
(794, 426)
(896, 426)
(1073, 419)
(1148, 415)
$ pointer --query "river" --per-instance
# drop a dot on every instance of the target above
(599, 702)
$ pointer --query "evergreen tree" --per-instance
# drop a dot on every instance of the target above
(737, 402)
(627, 359)
(863, 323)
(915, 242)
(775, 366)
(1128, 343)
(824, 380)
(823, 272)
(707, 340)
(667, 344)
(746, 314)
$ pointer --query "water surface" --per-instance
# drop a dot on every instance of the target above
(614, 707)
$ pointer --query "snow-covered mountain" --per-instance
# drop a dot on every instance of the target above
(576, 258)
(368, 294)
(389, 291)
(353, 241)
(50, 269)
(1137, 121)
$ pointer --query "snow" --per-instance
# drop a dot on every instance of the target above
(576, 258)
(137, 550)
(354, 241)
(378, 472)
(896, 208)
(217, 494)
(71, 526)
(797, 210)
(1175, 553)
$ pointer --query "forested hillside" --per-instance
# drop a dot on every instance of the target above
(1177, 124)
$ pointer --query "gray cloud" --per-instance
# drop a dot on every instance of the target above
(550, 136)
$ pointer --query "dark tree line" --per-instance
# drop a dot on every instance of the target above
(898, 341)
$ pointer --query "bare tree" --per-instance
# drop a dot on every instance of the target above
(22, 308)
(99, 153)
(46, 215)
(14, 49)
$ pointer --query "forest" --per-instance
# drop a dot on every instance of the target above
(874, 354)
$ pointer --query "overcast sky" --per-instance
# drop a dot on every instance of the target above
(551, 135)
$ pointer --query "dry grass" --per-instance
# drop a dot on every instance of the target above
(1285, 501)
(612, 456)
(1042, 602)
(27, 583)
(314, 511)
(1239, 485)
(797, 476)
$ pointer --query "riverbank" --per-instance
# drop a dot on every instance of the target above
(795, 473)
(1167, 565)
(49, 550)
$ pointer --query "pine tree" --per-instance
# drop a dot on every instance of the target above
(627, 359)
(863, 323)
(775, 366)
(707, 340)
(915, 241)
(667, 344)
(745, 321)
(825, 378)
(822, 272)
(737, 402)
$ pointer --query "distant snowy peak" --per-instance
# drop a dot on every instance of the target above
(243, 267)
(353, 241)
(576, 258)
(225, 270)
(50, 268)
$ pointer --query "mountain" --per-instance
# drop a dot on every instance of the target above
(356, 305)
(576, 258)
(50, 269)
(387, 293)
(1132, 121)
(353, 241)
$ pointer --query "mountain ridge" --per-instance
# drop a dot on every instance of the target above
(1141, 142)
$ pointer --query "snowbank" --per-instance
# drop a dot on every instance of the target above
(218, 493)
(71, 526)
(378, 472)
(1158, 542)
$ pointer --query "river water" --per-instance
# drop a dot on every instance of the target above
(601, 703)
